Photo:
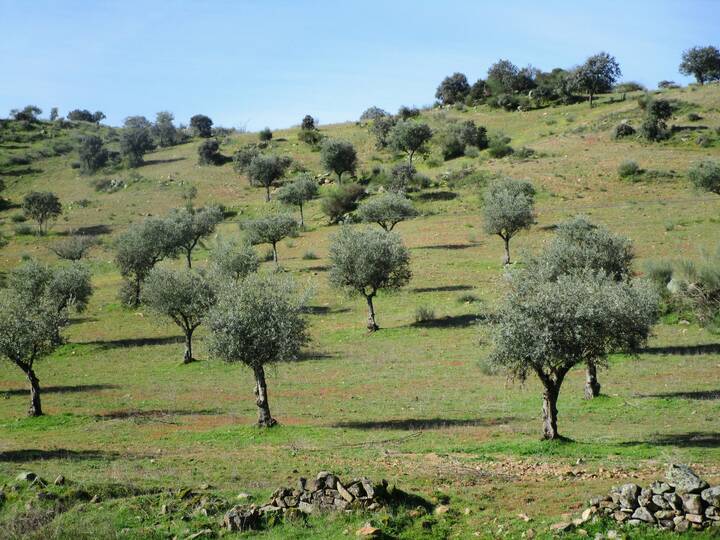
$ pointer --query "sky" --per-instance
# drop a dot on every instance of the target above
(258, 63)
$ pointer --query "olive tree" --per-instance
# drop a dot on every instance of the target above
(182, 295)
(192, 225)
(580, 245)
(547, 327)
(298, 192)
(201, 125)
(209, 153)
(705, 175)
(43, 207)
(136, 140)
(703, 63)
(453, 89)
(265, 171)
(73, 248)
(598, 74)
(258, 321)
(27, 333)
(93, 156)
(139, 249)
(410, 137)
(339, 157)
(270, 229)
(387, 210)
(233, 260)
(508, 209)
(381, 128)
(164, 130)
(365, 261)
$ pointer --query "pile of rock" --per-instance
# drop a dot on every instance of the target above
(684, 501)
(326, 493)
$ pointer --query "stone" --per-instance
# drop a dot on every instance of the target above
(643, 514)
(199, 534)
(611, 534)
(674, 501)
(620, 516)
(588, 513)
(242, 518)
(164, 509)
(368, 487)
(664, 514)
(26, 477)
(368, 531)
(344, 493)
(645, 498)
(59, 480)
(667, 524)
(441, 509)
(244, 496)
(682, 526)
(694, 518)
(629, 495)
(693, 503)
(711, 496)
(660, 502)
(659, 488)
(711, 512)
(561, 526)
(684, 479)
(634, 522)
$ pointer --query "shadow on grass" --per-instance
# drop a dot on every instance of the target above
(454, 321)
(701, 395)
(22, 456)
(415, 424)
(437, 196)
(690, 439)
(154, 414)
(444, 288)
(161, 161)
(323, 310)
(306, 356)
(319, 268)
(91, 230)
(703, 348)
(21, 172)
(447, 246)
(136, 342)
(70, 389)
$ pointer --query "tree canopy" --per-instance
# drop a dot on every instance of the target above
(270, 229)
(410, 137)
(265, 170)
(43, 207)
(339, 157)
(192, 225)
(597, 75)
(453, 89)
(703, 63)
(387, 210)
(507, 209)
(298, 192)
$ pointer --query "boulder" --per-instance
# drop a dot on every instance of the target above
(26, 476)
(694, 518)
(368, 531)
(241, 518)
(643, 514)
(712, 496)
(693, 503)
(684, 479)
(660, 488)
(629, 495)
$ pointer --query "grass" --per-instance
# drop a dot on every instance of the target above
(409, 403)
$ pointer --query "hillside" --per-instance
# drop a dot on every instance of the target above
(409, 403)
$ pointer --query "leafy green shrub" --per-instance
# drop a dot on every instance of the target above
(472, 152)
(628, 169)
(108, 185)
(705, 175)
(524, 153)
(467, 298)
(499, 146)
(659, 272)
(623, 130)
(310, 255)
(424, 314)
(265, 135)
(209, 152)
(341, 200)
(18, 218)
(704, 141)
(24, 229)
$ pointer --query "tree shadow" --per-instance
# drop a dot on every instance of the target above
(700, 395)
(92, 230)
(152, 414)
(690, 439)
(306, 356)
(444, 288)
(675, 129)
(21, 172)
(437, 196)
(22, 456)
(323, 310)
(135, 342)
(415, 424)
(68, 389)
(452, 321)
(319, 268)
(79, 320)
(447, 246)
(703, 348)
(161, 161)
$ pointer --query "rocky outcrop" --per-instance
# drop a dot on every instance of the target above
(326, 493)
(682, 502)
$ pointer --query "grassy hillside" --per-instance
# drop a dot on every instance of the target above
(409, 403)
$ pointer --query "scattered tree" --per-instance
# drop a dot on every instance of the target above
(365, 261)
(547, 327)
(182, 295)
(43, 207)
(265, 135)
(164, 130)
(209, 152)
(27, 334)
(232, 260)
(401, 175)
(387, 210)
(508, 209)
(453, 89)
(27, 114)
(270, 230)
(705, 175)
(703, 63)
(192, 225)
(410, 137)
(373, 113)
(73, 248)
(92, 153)
(265, 171)
(298, 192)
(201, 125)
(54, 114)
(341, 200)
(136, 140)
(381, 127)
(258, 321)
(597, 75)
(80, 115)
(339, 157)
(244, 156)
(308, 122)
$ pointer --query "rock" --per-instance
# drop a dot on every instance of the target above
(712, 496)
(611, 534)
(242, 518)
(441, 509)
(664, 514)
(634, 522)
(620, 516)
(674, 501)
(26, 477)
(694, 518)
(643, 514)
(368, 531)
(682, 525)
(588, 513)
(95, 499)
(684, 480)
(711, 512)
(305, 507)
(374, 506)
(204, 532)
(693, 503)
(368, 487)
(244, 496)
(164, 509)
(529, 534)
(561, 526)
(659, 488)
(667, 524)
(660, 502)
(645, 498)
(629, 495)
(60, 480)
(344, 493)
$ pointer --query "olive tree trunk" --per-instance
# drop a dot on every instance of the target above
(592, 386)
(188, 257)
(549, 409)
(371, 323)
(265, 419)
(506, 256)
(302, 218)
(188, 356)
(275, 254)
(35, 405)
(267, 193)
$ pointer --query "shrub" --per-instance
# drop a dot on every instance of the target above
(23, 229)
(18, 218)
(498, 146)
(310, 136)
(108, 185)
(660, 273)
(341, 200)
(694, 117)
(73, 248)
(339, 157)
(472, 152)
(381, 128)
(201, 125)
(310, 255)
(424, 314)
(43, 207)
(629, 86)
(468, 298)
(524, 153)
(705, 175)
(209, 152)
(628, 169)
(373, 113)
(623, 130)
(406, 113)
(265, 135)
(668, 84)
(243, 157)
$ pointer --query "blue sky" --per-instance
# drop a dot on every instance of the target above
(268, 63)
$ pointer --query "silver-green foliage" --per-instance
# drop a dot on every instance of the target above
(182, 295)
(192, 225)
(339, 157)
(233, 260)
(62, 287)
(270, 230)
(705, 175)
(298, 192)
(507, 209)
(387, 210)
(410, 137)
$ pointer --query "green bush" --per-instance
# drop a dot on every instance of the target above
(694, 117)
(310, 255)
(472, 152)
(628, 169)
(341, 200)
(499, 146)
(24, 229)
(623, 130)
(705, 175)
(265, 135)
(424, 314)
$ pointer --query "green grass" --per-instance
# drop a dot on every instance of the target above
(409, 403)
